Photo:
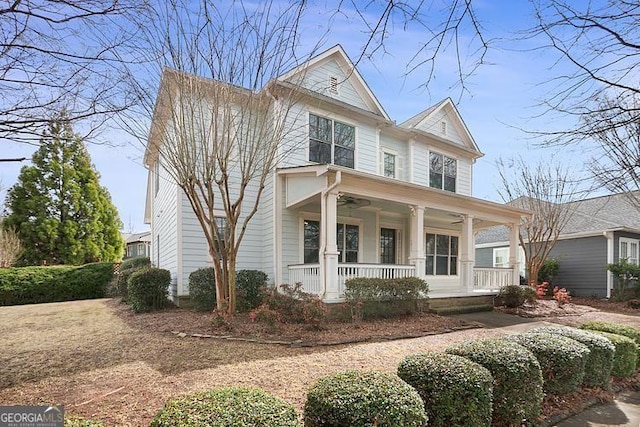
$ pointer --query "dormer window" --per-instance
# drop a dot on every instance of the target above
(333, 84)
(442, 172)
(331, 142)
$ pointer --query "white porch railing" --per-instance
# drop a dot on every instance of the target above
(377, 271)
(308, 275)
(491, 279)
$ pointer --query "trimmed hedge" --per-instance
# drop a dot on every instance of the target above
(517, 378)
(626, 355)
(148, 289)
(455, 390)
(360, 399)
(372, 297)
(561, 359)
(127, 268)
(614, 328)
(202, 289)
(597, 369)
(33, 285)
(227, 407)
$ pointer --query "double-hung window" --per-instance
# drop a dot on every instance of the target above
(331, 142)
(628, 250)
(347, 240)
(442, 255)
(389, 164)
(442, 172)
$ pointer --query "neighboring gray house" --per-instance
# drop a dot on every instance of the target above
(603, 230)
(356, 195)
(138, 245)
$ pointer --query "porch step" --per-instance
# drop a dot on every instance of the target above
(463, 304)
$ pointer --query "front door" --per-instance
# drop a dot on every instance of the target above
(388, 241)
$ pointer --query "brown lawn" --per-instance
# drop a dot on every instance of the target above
(103, 362)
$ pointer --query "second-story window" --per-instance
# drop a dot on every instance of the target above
(389, 165)
(331, 141)
(442, 172)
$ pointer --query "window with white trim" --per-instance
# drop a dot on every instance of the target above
(628, 250)
(389, 161)
(442, 255)
(347, 240)
(331, 142)
(442, 172)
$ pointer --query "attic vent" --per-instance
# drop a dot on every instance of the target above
(443, 127)
(333, 84)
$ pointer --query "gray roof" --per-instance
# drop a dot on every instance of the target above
(413, 121)
(137, 237)
(595, 215)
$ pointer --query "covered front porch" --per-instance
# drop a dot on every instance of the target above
(348, 224)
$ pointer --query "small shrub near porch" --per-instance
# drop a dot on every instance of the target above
(371, 297)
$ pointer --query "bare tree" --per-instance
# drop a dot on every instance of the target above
(617, 137)
(63, 54)
(10, 247)
(599, 43)
(546, 190)
(221, 114)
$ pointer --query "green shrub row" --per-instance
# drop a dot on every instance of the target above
(517, 378)
(372, 297)
(250, 285)
(120, 283)
(456, 391)
(614, 328)
(135, 263)
(32, 285)
(476, 383)
(561, 359)
(597, 368)
(625, 356)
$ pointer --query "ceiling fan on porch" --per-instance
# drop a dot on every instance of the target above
(351, 202)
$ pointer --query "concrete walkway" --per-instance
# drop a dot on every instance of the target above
(623, 411)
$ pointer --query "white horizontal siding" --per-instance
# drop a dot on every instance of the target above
(463, 184)
(420, 163)
(401, 149)
(434, 125)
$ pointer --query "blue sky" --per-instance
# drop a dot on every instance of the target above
(502, 98)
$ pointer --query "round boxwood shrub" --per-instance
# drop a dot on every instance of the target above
(359, 399)
(517, 379)
(227, 407)
(597, 369)
(614, 328)
(249, 289)
(626, 354)
(202, 289)
(147, 289)
(455, 390)
(561, 359)
(513, 296)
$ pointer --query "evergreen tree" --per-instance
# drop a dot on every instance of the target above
(59, 209)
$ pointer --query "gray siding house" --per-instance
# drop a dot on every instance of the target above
(138, 245)
(602, 230)
(354, 195)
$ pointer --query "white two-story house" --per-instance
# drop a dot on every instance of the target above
(355, 195)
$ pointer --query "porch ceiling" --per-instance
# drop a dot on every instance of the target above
(442, 208)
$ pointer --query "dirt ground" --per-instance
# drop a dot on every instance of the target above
(103, 362)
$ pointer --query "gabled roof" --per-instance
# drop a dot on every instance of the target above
(338, 54)
(419, 119)
(591, 216)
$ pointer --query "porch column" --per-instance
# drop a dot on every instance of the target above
(514, 241)
(467, 253)
(416, 254)
(330, 213)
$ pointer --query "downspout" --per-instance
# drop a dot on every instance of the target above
(610, 249)
(323, 225)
